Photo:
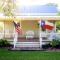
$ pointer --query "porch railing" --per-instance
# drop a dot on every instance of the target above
(46, 37)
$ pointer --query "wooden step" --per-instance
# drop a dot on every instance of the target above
(27, 44)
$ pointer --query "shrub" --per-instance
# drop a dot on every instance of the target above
(55, 43)
(4, 43)
(46, 46)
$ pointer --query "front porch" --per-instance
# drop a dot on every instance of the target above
(39, 37)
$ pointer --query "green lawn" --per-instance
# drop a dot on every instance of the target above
(28, 55)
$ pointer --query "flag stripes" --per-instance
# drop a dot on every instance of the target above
(17, 27)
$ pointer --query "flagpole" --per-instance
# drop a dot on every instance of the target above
(40, 37)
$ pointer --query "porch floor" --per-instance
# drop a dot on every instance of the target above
(23, 39)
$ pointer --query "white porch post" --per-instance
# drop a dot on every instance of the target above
(40, 37)
(15, 34)
(15, 38)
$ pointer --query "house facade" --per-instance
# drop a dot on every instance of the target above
(39, 25)
(32, 35)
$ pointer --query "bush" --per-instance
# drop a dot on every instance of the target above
(4, 43)
(55, 43)
(46, 46)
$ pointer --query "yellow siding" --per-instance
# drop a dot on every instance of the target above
(26, 25)
(9, 25)
(30, 25)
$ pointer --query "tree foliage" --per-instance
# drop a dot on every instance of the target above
(7, 7)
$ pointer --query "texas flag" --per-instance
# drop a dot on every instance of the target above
(47, 25)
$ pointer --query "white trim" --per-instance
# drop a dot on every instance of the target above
(30, 17)
(35, 14)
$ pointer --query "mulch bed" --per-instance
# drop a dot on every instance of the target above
(53, 49)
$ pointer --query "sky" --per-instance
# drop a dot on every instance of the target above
(21, 3)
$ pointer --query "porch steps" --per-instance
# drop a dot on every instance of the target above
(27, 44)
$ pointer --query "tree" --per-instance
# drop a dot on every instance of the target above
(7, 7)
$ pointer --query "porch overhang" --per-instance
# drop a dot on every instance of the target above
(11, 18)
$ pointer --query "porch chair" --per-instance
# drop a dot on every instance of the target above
(29, 34)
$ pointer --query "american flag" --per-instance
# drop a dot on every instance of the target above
(17, 27)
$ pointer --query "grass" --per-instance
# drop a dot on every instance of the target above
(28, 55)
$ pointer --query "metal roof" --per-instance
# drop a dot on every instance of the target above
(36, 10)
